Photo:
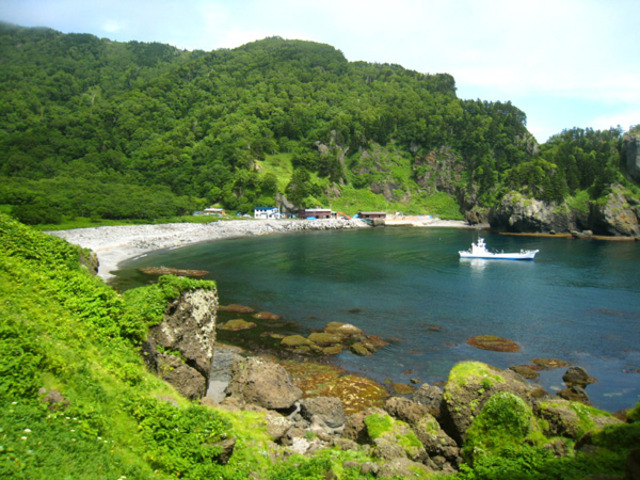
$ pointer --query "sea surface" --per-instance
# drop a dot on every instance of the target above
(578, 301)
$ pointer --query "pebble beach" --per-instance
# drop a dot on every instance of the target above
(114, 244)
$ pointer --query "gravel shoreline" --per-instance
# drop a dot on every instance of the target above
(115, 244)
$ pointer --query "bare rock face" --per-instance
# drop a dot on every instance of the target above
(618, 216)
(324, 412)
(266, 384)
(631, 154)
(180, 348)
(517, 213)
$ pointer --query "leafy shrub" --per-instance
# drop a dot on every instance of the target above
(182, 442)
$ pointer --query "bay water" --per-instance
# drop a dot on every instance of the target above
(579, 301)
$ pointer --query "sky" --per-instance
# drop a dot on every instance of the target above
(565, 63)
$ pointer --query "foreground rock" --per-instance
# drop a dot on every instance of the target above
(470, 385)
(482, 411)
(180, 348)
(266, 384)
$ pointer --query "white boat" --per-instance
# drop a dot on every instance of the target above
(479, 250)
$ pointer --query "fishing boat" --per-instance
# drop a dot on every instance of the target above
(479, 250)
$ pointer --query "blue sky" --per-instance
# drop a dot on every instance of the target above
(565, 63)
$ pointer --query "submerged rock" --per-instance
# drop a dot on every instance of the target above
(234, 308)
(266, 316)
(236, 325)
(549, 363)
(493, 343)
(184, 272)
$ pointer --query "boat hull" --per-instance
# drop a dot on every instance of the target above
(500, 256)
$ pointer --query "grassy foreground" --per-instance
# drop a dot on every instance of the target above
(64, 330)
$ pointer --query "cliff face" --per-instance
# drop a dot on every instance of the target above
(618, 215)
(180, 348)
(631, 155)
(517, 213)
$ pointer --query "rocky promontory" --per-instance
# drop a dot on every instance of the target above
(617, 216)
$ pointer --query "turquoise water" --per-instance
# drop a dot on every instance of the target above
(578, 301)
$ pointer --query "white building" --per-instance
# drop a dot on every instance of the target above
(267, 213)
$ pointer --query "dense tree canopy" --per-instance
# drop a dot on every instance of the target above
(178, 130)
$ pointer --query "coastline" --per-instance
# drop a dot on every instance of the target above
(115, 244)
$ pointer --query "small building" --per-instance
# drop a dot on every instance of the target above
(315, 213)
(215, 211)
(372, 215)
(267, 213)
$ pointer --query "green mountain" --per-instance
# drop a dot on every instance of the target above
(102, 129)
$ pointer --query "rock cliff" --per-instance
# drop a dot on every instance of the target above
(180, 348)
(617, 215)
(631, 154)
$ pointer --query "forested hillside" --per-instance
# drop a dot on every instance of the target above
(102, 129)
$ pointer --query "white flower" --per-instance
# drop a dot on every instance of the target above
(23, 438)
(27, 430)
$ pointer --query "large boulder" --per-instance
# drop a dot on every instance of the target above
(504, 421)
(180, 348)
(324, 413)
(470, 385)
(571, 419)
(256, 381)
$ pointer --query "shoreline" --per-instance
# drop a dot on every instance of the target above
(115, 244)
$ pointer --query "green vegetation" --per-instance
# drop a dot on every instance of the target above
(134, 131)
(63, 329)
(77, 401)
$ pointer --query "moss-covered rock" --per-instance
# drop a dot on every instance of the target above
(493, 343)
(505, 421)
(572, 419)
(324, 339)
(393, 438)
(470, 385)
(299, 344)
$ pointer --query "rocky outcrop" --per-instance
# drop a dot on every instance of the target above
(517, 213)
(617, 215)
(180, 348)
(631, 154)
